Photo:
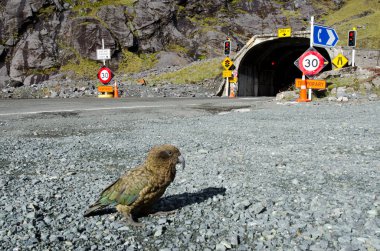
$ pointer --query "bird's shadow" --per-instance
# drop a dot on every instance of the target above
(177, 201)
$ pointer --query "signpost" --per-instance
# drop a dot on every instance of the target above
(311, 62)
(228, 66)
(324, 36)
(339, 61)
(351, 38)
(227, 63)
(284, 32)
(105, 88)
(352, 43)
(105, 75)
(227, 47)
(103, 54)
(311, 83)
(227, 74)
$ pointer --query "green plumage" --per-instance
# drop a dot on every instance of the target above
(140, 187)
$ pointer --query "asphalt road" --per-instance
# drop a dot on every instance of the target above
(35, 106)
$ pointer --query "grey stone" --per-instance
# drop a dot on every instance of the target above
(162, 221)
(168, 59)
(373, 97)
(287, 96)
(368, 86)
(376, 82)
(4, 77)
(342, 99)
(158, 231)
(220, 247)
(234, 240)
(31, 215)
(341, 92)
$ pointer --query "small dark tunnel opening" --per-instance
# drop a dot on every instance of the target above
(268, 68)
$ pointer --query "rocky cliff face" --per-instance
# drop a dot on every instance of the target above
(38, 37)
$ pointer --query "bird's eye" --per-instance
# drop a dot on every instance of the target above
(165, 154)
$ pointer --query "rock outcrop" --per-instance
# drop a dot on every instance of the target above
(40, 36)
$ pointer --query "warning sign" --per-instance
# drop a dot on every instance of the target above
(340, 61)
(227, 63)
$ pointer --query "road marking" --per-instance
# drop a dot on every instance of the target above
(89, 109)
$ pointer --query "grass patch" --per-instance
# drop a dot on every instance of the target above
(191, 74)
(204, 21)
(47, 71)
(363, 14)
(177, 48)
(46, 11)
(81, 67)
(132, 62)
(344, 82)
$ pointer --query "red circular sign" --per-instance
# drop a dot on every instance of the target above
(311, 62)
(105, 75)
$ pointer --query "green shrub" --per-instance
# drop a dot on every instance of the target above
(132, 62)
(82, 68)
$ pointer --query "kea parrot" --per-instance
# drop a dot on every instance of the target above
(136, 191)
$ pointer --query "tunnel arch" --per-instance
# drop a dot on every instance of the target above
(267, 68)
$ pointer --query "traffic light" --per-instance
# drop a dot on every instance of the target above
(352, 38)
(227, 47)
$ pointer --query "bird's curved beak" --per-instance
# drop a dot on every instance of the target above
(181, 160)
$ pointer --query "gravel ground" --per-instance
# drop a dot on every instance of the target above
(266, 177)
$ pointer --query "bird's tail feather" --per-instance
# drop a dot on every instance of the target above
(94, 207)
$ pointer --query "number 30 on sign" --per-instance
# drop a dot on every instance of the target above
(105, 75)
(311, 62)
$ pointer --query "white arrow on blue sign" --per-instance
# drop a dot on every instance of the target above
(324, 36)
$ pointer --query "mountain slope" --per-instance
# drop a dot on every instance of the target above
(362, 14)
(40, 38)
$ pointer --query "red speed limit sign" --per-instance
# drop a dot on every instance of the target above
(105, 75)
(311, 62)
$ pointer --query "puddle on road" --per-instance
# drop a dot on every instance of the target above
(218, 109)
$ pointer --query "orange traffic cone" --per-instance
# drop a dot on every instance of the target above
(232, 91)
(115, 91)
(303, 92)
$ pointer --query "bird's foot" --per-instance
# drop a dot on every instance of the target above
(132, 221)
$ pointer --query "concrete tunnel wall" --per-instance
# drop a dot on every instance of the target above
(267, 68)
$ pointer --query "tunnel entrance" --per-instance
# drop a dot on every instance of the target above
(268, 68)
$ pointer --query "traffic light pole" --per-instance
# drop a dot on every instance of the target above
(227, 87)
(352, 44)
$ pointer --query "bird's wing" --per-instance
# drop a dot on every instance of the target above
(125, 190)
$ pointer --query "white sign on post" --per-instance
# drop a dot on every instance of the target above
(102, 54)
